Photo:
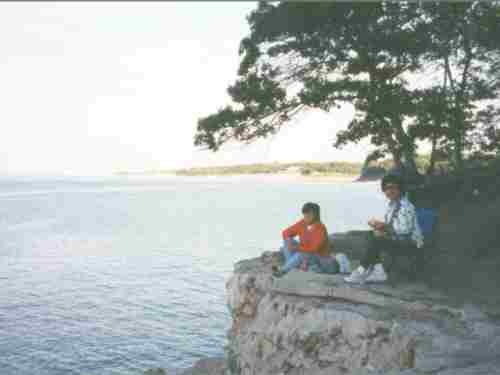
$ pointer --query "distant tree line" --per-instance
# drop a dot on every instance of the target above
(413, 71)
(372, 169)
(304, 168)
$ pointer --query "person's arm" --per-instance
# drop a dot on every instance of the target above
(291, 232)
(315, 239)
(376, 224)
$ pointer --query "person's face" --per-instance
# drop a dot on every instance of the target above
(308, 218)
(392, 192)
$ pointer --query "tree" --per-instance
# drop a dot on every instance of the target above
(317, 55)
(462, 35)
(431, 121)
(486, 136)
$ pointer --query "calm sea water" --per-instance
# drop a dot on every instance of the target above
(102, 276)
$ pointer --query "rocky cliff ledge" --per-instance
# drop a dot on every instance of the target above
(306, 323)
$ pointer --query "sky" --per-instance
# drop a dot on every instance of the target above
(93, 88)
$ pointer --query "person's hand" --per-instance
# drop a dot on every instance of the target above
(376, 224)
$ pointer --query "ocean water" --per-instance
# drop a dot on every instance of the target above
(104, 276)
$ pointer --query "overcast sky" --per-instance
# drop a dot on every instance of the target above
(90, 88)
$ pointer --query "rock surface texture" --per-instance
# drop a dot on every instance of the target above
(208, 366)
(307, 323)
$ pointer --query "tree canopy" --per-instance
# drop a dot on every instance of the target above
(383, 57)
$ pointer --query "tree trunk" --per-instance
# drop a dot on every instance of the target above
(459, 155)
(438, 123)
(432, 161)
(460, 97)
(459, 119)
(407, 146)
(459, 134)
(396, 159)
(411, 163)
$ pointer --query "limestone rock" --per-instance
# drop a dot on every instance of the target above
(307, 323)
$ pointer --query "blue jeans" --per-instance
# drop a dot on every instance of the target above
(293, 258)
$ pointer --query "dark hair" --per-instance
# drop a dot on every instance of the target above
(313, 208)
(392, 179)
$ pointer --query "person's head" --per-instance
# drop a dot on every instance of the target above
(392, 186)
(311, 213)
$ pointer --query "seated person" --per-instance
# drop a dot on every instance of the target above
(398, 233)
(311, 249)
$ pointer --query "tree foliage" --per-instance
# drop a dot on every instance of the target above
(463, 35)
(318, 55)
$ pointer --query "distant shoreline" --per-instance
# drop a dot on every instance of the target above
(298, 171)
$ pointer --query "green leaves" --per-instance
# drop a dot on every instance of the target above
(317, 55)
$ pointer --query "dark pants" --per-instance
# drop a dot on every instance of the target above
(378, 245)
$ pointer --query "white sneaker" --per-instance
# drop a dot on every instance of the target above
(357, 276)
(378, 274)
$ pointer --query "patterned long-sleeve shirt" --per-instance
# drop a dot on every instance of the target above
(404, 224)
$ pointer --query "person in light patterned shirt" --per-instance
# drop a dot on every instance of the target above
(404, 225)
(398, 233)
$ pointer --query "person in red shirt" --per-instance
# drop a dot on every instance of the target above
(313, 240)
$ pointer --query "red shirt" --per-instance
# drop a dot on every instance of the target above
(313, 238)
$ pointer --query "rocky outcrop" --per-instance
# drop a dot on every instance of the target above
(307, 323)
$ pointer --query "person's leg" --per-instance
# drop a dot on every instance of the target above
(311, 263)
(395, 250)
(327, 264)
(372, 257)
(286, 251)
(395, 247)
(375, 247)
(291, 258)
(294, 261)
